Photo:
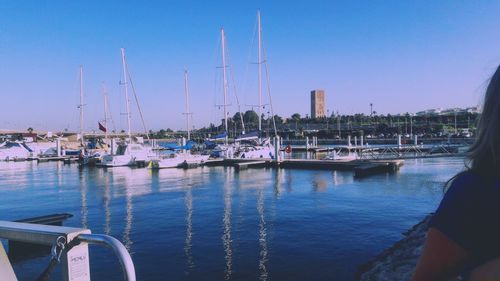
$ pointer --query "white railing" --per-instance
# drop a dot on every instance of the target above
(74, 259)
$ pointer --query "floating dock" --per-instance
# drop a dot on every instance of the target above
(361, 168)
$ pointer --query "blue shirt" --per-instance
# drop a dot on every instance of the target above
(469, 214)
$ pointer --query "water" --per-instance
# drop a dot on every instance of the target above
(213, 223)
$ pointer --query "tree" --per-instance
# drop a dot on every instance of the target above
(236, 117)
(250, 117)
(296, 116)
(278, 120)
(30, 130)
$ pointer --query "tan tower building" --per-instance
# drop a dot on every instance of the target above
(317, 103)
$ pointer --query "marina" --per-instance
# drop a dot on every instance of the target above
(247, 140)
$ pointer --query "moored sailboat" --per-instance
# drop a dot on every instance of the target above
(128, 152)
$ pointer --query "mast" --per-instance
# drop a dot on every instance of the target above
(186, 89)
(259, 63)
(104, 94)
(81, 106)
(126, 92)
(224, 78)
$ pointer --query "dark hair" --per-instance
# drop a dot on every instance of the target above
(484, 154)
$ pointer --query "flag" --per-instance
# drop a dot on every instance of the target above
(101, 127)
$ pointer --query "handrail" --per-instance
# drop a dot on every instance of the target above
(118, 248)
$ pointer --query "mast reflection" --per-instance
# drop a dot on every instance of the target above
(83, 194)
(189, 230)
(226, 236)
(107, 210)
(262, 237)
(129, 217)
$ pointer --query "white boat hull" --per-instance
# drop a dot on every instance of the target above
(177, 160)
(117, 161)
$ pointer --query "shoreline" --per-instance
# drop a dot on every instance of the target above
(398, 261)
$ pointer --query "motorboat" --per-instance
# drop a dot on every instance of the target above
(12, 151)
(176, 160)
(127, 154)
(341, 156)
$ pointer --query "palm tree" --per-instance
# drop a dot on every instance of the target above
(296, 117)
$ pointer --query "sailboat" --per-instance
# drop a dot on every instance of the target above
(222, 150)
(182, 155)
(128, 153)
(252, 145)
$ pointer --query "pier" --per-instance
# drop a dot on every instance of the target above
(361, 168)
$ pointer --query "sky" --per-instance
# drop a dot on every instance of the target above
(402, 56)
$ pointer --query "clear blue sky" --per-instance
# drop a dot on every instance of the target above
(402, 56)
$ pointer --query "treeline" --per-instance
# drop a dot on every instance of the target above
(339, 126)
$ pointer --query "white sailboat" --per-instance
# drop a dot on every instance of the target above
(178, 159)
(224, 150)
(253, 146)
(127, 153)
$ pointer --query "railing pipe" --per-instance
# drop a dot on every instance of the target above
(118, 248)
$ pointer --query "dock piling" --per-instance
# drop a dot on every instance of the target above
(277, 149)
(58, 146)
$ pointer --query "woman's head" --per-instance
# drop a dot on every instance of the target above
(485, 152)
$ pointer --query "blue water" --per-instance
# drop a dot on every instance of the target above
(212, 223)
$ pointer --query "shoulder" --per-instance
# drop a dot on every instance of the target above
(463, 207)
(465, 184)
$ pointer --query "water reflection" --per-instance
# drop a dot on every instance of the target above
(278, 181)
(289, 181)
(83, 194)
(319, 183)
(262, 237)
(189, 230)
(107, 210)
(59, 173)
(341, 178)
(129, 217)
(226, 236)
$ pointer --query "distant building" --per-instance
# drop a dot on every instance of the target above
(318, 104)
(448, 112)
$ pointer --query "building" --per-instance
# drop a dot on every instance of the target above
(318, 104)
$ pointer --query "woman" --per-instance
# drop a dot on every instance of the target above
(463, 241)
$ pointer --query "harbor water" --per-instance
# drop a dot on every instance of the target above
(213, 223)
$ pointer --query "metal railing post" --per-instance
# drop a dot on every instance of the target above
(120, 251)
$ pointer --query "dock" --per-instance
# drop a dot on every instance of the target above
(373, 168)
(361, 168)
(250, 164)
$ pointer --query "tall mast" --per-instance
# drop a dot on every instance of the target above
(126, 92)
(105, 96)
(81, 106)
(223, 42)
(259, 63)
(186, 89)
